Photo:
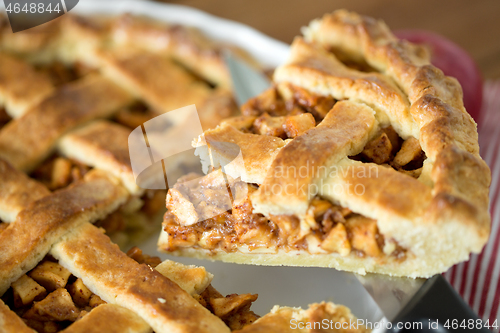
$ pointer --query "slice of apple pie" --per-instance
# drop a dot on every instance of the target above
(361, 157)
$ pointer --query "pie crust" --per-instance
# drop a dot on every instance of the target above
(387, 99)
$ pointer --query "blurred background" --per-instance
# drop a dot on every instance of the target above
(474, 25)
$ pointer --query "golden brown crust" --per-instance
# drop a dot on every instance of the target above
(20, 85)
(109, 318)
(120, 280)
(434, 221)
(81, 38)
(44, 221)
(69, 106)
(10, 322)
(164, 85)
(314, 69)
(103, 145)
(218, 106)
(225, 144)
(188, 46)
(277, 321)
(287, 188)
(17, 191)
(447, 133)
(37, 44)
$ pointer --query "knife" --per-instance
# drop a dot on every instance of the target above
(409, 305)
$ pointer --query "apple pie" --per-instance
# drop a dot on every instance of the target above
(72, 91)
(60, 273)
(361, 157)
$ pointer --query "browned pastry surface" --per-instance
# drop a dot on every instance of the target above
(109, 318)
(138, 73)
(120, 280)
(20, 85)
(187, 46)
(316, 70)
(447, 133)
(10, 322)
(17, 191)
(26, 241)
(69, 106)
(104, 145)
(344, 131)
(258, 151)
(404, 161)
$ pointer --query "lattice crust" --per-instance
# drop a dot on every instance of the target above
(78, 164)
(82, 74)
(43, 222)
(117, 279)
(37, 131)
(397, 149)
(20, 85)
(17, 191)
(69, 305)
(85, 69)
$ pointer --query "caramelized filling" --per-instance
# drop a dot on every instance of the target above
(49, 298)
(4, 117)
(272, 104)
(58, 172)
(287, 111)
(387, 148)
(233, 309)
(3, 226)
(335, 229)
(60, 73)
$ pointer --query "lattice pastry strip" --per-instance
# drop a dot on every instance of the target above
(44, 222)
(120, 280)
(20, 85)
(311, 67)
(17, 191)
(137, 71)
(28, 239)
(423, 209)
(92, 97)
(89, 96)
(99, 319)
(103, 145)
(187, 46)
(343, 132)
(194, 282)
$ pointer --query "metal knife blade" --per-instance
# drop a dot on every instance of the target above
(400, 299)
(247, 82)
(390, 293)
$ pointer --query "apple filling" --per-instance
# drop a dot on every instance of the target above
(330, 228)
(285, 111)
(133, 222)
